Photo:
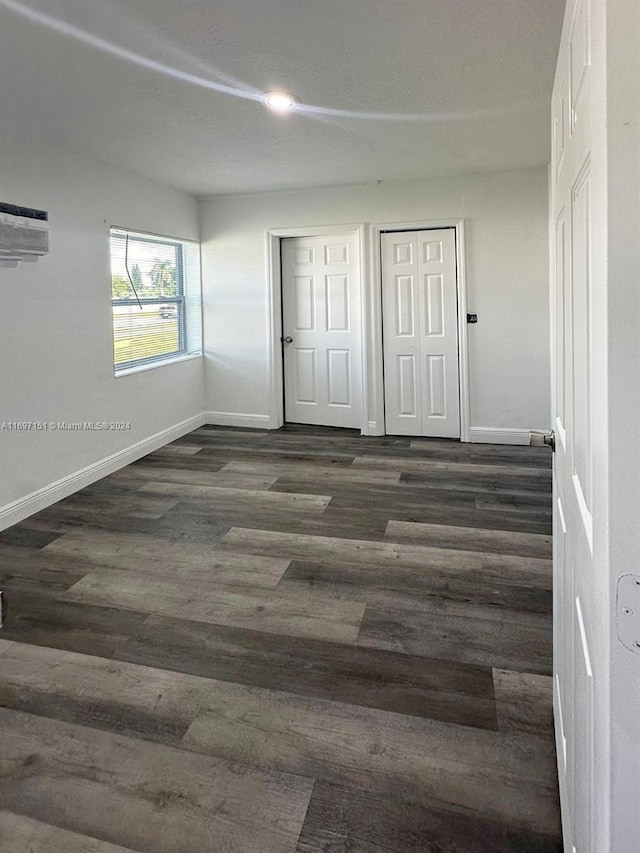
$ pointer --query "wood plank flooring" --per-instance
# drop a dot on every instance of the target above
(299, 641)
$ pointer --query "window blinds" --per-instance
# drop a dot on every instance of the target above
(155, 284)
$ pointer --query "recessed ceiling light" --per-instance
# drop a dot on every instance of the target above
(281, 102)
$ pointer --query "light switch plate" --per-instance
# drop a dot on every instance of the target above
(628, 611)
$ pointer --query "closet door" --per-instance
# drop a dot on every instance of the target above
(420, 329)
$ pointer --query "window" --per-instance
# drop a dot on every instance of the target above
(155, 290)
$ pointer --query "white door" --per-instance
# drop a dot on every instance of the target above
(420, 332)
(596, 495)
(322, 333)
(571, 211)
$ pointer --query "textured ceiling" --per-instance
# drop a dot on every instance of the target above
(398, 89)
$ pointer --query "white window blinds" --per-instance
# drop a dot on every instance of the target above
(155, 284)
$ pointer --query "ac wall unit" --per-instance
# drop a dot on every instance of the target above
(24, 234)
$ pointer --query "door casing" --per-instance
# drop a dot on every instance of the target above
(373, 422)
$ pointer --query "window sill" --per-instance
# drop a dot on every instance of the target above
(154, 365)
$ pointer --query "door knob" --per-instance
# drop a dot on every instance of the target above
(542, 439)
(287, 340)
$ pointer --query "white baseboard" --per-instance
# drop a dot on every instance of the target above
(22, 508)
(498, 435)
(239, 420)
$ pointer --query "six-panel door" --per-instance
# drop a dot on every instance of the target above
(420, 323)
(575, 329)
(321, 314)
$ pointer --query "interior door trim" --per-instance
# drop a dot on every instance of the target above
(274, 280)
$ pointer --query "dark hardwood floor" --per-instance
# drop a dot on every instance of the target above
(303, 641)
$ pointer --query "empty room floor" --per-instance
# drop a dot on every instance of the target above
(301, 641)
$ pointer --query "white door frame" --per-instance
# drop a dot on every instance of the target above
(461, 286)
(371, 316)
(274, 279)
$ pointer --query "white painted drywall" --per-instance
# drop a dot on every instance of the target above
(506, 218)
(56, 350)
(622, 468)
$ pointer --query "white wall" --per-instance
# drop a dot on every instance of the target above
(623, 360)
(506, 218)
(56, 349)
(55, 319)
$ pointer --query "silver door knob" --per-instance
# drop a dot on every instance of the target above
(540, 439)
(287, 340)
